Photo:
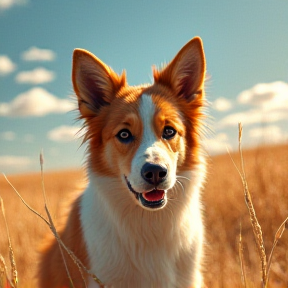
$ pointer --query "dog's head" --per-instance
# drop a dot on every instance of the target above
(147, 134)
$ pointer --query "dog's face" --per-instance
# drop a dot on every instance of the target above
(144, 135)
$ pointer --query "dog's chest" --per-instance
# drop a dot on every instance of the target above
(121, 268)
(129, 249)
(126, 257)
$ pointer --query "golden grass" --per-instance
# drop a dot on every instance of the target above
(223, 198)
(26, 229)
(267, 176)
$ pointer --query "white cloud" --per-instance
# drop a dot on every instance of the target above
(267, 95)
(270, 101)
(36, 76)
(9, 162)
(37, 54)
(6, 65)
(222, 104)
(271, 134)
(35, 102)
(63, 133)
(253, 116)
(6, 4)
(217, 144)
(8, 136)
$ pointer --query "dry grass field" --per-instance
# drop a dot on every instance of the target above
(267, 177)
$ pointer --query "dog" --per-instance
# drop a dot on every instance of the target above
(138, 224)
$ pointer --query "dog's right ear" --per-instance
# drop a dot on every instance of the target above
(95, 84)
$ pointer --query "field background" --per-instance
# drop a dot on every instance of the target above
(267, 177)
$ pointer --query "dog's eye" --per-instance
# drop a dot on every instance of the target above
(124, 136)
(168, 133)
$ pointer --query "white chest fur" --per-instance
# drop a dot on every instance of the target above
(132, 247)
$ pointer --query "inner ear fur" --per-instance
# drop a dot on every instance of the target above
(94, 83)
(185, 74)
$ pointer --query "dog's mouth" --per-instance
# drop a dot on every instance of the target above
(153, 199)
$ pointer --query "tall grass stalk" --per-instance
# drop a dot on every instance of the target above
(11, 253)
(257, 231)
(258, 235)
(241, 257)
(278, 235)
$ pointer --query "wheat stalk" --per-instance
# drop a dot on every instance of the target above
(257, 231)
(242, 264)
(277, 236)
(11, 253)
(253, 217)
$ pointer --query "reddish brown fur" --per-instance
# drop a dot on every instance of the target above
(192, 114)
(118, 115)
(103, 128)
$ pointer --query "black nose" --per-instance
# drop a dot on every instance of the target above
(153, 173)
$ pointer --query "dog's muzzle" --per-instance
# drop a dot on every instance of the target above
(153, 199)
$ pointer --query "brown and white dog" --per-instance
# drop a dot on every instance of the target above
(138, 223)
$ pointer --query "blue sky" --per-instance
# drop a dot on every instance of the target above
(245, 42)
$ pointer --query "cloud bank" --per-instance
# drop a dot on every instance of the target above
(263, 112)
(269, 103)
(7, 4)
(38, 54)
(37, 76)
(6, 65)
(267, 95)
(9, 162)
(222, 104)
(63, 133)
(8, 135)
(271, 134)
(35, 102)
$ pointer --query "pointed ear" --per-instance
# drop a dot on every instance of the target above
(95, 84)
(185, 74)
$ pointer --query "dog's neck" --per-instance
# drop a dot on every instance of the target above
(120, 232)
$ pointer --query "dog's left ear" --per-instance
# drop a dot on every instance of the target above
(185, 74)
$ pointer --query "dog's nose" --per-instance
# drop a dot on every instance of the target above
(153, 173)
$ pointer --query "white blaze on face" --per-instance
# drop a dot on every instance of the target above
(146, 111)
(149, 148)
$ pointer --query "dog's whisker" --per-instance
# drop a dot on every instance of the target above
(181, 185)
(174, 199)
(183, 177)
(174, 191)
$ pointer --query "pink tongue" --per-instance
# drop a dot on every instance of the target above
(154, 195)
